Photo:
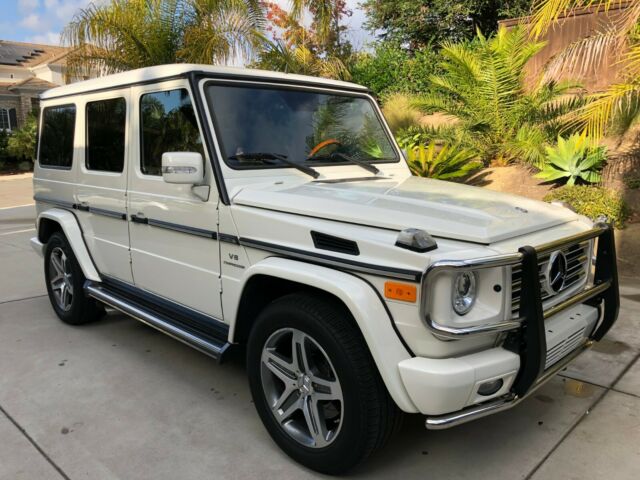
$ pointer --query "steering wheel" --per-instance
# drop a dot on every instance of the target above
(321, 145)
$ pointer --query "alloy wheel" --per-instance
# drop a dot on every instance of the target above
(60, 279)
(302, 388)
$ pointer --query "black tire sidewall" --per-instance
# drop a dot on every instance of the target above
(349, 448)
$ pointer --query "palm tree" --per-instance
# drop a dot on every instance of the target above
(126, 34)
(483, 87)
(283, 57)
(620, 102)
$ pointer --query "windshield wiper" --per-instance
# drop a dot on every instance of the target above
(361, 163)
(276, 156)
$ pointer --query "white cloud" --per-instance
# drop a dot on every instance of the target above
(28, 5)
(47, 38)
(32, 22)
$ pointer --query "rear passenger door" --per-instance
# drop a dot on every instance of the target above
(174, 248)
(102, 181)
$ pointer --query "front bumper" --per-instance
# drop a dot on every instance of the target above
(530, 354)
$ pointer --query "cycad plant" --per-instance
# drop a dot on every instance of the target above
(444, 163)
(619, 105)
(576, 157)
(483, 88)
(126, 34)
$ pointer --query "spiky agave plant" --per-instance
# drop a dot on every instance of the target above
(483, 87)
(445, 163)
(573, 158)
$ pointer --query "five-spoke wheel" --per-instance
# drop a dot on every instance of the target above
(301, 385)
(61, 279)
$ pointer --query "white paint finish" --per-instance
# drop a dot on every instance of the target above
(362, 302)
(182, 167)
(444, 209)
(181, 267)
(439, 386)
(72, 231)
(107, 237)
(150, 74)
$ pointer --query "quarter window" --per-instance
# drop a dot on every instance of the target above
(106, 120)
(168, 124)
(56, 140)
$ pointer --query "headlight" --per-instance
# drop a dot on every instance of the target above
(464, 292)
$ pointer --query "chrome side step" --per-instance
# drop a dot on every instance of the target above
(210, 346)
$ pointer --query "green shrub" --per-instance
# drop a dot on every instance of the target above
(592, 202)
(22, 143)
(444, 162)
(573, 158)
(399, 112)
(391, 68)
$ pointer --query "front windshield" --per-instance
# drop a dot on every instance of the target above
(256, 124)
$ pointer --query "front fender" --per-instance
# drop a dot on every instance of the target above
(365, 306)
(71, 229)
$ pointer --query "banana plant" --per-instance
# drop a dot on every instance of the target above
(444, 163)
(573, 158)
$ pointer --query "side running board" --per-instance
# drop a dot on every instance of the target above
(206, 344)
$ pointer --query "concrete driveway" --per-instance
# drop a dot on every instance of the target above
(118, 400)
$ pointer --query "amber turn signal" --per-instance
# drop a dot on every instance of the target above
(400, 291)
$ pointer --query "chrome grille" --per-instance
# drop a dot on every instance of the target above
(577, 256)
(562, 349)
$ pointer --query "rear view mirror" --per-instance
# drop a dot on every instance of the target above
(182, 167)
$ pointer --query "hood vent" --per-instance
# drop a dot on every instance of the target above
(322, 241)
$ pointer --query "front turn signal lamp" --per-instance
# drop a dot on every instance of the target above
(400, 291)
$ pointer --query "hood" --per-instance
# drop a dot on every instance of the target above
(444, 209)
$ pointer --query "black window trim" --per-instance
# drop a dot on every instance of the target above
(41, 129)
(192, 98)
(276, 85)
(86, 136)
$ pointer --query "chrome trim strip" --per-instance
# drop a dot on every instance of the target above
(581, 297)
(199, 232)
(448, 420)
(350, 265)
(208, 348)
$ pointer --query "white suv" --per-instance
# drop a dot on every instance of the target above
(231, 207)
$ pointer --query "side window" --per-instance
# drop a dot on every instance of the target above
(168, 124)
(56, 139)
(106, 121)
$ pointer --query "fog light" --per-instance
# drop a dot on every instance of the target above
(489, 388)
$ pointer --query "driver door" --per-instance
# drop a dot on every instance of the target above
(174, 248)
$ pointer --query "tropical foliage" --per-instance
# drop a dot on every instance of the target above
(483, 88)
(576, 157)
(620, 37)
(592, 202)
(445, 162)
(317, 50)
(400, 113)
(421, 23)
(126, 34)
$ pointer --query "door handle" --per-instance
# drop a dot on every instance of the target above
(83, 206)
(139, 218)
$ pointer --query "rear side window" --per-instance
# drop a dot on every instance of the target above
(56, 140)
(106, 120)
(168, 125)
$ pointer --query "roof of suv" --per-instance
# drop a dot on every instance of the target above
(159, 72)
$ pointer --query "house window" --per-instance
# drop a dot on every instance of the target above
(4, 119)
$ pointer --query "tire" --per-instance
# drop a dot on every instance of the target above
(366, 416)
(65, 284)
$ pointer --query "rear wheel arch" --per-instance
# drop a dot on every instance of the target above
(46, 228)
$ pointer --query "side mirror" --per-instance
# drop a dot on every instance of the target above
(182, 167)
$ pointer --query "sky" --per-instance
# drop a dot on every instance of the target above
(41, 21)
